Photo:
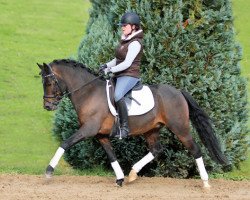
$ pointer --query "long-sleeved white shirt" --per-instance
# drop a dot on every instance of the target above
(133, 50)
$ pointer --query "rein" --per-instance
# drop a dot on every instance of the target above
(69, 93)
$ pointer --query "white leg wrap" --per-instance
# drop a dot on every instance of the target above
(54, 161)
(201, 168)
(117, 169)
(145, 160)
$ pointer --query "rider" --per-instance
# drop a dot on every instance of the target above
(126, 65)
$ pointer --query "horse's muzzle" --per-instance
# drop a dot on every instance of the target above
(49, 106)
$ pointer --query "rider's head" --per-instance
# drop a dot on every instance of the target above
(130, 22)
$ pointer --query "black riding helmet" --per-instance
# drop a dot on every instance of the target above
(130, 18)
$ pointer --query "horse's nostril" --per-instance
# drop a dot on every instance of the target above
(46, 107)
(49, 106)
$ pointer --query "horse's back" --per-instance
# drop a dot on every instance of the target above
(170, 104)
(166, 91)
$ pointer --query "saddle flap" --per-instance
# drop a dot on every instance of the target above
(138, 102)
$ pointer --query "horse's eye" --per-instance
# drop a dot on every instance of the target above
(46, 83)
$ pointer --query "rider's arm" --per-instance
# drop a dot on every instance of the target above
(111, 63)
(133, 50)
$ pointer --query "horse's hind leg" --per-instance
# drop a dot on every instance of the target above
(105, 142)
(152, 138)
(182, 132)
(194, 149)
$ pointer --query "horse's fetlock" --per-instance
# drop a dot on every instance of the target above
(49, 171)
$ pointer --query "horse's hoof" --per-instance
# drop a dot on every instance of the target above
(48, 176)
(119, 182)
(132, 176)
(206, 185)
(49, 172)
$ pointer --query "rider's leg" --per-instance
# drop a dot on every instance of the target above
(123, 85)
(123, 115)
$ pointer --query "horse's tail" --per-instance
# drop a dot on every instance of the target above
(202, 124)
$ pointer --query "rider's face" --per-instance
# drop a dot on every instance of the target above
(127, 29)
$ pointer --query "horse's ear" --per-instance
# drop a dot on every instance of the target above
(40, 66)
(46, 68)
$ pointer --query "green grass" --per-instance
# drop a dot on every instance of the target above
(242, 27)
(31, 32)
(40, 31)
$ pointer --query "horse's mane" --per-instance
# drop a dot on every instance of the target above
(74, 64)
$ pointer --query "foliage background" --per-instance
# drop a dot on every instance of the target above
(202, 58)
(39, 31)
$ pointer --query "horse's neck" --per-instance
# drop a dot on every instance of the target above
(75, 78)
(82, 85)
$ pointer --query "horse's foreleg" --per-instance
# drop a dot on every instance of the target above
(154, 145)
(83, 133)
(105, 142)
(53, 162)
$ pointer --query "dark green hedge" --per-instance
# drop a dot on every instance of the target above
(201, 57)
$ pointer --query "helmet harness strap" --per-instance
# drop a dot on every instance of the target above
(132, 29)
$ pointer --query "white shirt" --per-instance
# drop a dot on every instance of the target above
(133, 50)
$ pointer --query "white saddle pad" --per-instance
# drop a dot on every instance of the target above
(144, 97)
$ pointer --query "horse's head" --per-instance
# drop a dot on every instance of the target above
(52, 91)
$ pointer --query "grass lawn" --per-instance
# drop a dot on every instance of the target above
(242, 27)
(31, 32)
(40, 31)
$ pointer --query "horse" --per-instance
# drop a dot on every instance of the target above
(173, 109)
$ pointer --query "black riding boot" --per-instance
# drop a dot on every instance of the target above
(123, 115)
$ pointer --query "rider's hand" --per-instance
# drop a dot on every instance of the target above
(103, 67)
(107, 71)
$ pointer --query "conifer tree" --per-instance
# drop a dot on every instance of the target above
(188, 44)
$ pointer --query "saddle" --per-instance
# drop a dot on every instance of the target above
(139, 100)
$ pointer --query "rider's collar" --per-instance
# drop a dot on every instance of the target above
(124, 38)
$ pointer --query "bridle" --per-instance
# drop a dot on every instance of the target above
(59, 93)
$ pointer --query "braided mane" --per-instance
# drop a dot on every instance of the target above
(73, 63)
